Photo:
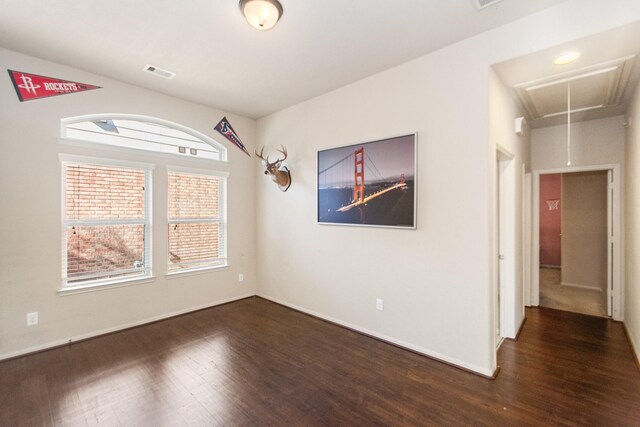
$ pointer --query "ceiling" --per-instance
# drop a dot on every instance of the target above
(602, 80)
(220, 61)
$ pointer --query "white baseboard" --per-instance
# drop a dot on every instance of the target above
(575, 285)
(634, 346)
(429, 353)
(94, 334)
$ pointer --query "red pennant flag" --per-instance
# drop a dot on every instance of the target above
(31, 86)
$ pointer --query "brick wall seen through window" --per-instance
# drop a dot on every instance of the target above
(196, 225)
(105, 222)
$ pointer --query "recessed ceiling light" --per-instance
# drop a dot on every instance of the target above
(566, 58)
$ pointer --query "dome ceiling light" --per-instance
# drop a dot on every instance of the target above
(261, 14)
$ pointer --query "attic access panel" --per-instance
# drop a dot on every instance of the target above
(595, 87)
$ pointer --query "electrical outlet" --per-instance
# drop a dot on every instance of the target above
(32, 318)
(240, 277)
(380, 304)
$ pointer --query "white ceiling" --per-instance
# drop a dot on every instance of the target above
(221, 61)
(617, 50)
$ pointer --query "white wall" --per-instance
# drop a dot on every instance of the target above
(30, 230)
(632, 230)
(503, 112)
(436, 280)
(594, 142)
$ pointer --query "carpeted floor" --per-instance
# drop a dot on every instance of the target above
(568, 298)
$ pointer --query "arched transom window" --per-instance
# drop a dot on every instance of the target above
(143, 133)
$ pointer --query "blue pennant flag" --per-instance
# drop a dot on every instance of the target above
(224, 127)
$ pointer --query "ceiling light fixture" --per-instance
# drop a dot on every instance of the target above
(566, 58)
(261, 14)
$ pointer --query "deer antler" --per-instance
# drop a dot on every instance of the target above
(283, 151)
(260, 155)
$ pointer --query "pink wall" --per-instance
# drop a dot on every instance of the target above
(550, 228)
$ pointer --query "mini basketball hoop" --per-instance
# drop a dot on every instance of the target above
(553, 204)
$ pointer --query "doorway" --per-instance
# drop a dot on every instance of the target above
(576, 233)
(573, 242)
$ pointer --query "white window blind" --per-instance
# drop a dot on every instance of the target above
(106, 223)
(197, 226)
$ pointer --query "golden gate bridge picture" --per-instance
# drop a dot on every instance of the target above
(368, 184)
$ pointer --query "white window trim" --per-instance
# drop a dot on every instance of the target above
(80, 287)
(104, 161)
(107, 284)
(195, 271)
(195, 171)
(220, 165)
(222, 219)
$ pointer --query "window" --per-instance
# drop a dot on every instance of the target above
(143, 133)
(197, 228)
(106, 221)
(106, 204)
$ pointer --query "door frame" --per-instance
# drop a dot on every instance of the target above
(616, 273)
(504, 244)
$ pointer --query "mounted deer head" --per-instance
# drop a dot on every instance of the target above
(279, 174)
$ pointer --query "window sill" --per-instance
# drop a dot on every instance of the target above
(119, 283)
(195, 271)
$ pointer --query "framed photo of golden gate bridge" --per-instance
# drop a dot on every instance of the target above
(369, 184)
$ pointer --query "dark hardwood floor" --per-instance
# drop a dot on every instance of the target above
(254, 363)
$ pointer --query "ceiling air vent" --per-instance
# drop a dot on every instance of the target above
(159, 72)
(481, 4)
